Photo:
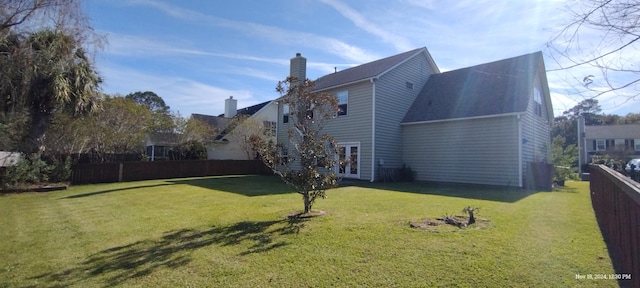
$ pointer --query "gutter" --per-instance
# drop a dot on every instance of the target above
(464, 118)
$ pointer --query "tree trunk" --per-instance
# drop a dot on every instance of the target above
(472, 219)
(307, 202)
(39, 124)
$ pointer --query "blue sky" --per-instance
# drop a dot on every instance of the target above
(196, 53)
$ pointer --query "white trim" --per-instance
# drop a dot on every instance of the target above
(373, 130)
(348, 153)
(465, 118)
(344, 84)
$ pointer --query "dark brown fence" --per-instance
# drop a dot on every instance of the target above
(133, 171)
(616, 202)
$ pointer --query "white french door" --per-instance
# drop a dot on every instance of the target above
(349, 160)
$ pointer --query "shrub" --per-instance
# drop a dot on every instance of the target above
(407, 174)
(28, 170)
(34, 170)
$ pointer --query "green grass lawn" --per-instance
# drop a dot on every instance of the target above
(231, 231)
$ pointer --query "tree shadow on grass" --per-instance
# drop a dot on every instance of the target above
(247, 185)
(119, 264)
(113, 190)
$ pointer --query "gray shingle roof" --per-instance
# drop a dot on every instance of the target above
(630, 131)
(249, 110)
(222, 124)
(494, 88)
(364, 71)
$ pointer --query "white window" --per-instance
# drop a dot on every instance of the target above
(409, 85)
(637, 144)
(285, 113)
(601, 145)
(343, 102)
(269, 128)
(284, 156)
(537, 99)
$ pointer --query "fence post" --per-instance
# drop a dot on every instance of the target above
(120, 172)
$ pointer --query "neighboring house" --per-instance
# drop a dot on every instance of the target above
(9, 158)
(226, 146)
(483, 124)
(603, 139)
(159, 144)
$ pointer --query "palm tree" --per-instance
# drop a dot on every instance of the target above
(56, 76)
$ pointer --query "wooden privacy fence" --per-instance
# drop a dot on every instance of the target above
(616, 202)
(148, 170)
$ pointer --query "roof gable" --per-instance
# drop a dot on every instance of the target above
(224, 124)
(367, 70)
(495, 88)
(249, 110)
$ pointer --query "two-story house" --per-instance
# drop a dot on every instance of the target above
(226, 146)
(483, 124)
(623, 140)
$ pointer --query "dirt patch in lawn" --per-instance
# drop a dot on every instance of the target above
(449, 224)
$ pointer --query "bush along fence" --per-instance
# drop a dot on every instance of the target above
(616, 203)
(148, 170)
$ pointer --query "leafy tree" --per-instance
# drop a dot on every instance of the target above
(564, 159)
(149, 99)
(121, 127)
(306, 162)
(54, 74)
(162, 120)
(69, 135)
(189, 150)
(615, 25)
(45, 67)
(567, 124)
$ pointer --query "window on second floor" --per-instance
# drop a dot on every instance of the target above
(285, 113)
(409, 85)
(537, 99)
(269, 128)
(343, 102)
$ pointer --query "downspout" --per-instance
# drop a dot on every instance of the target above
(373, 131)
(518, 117)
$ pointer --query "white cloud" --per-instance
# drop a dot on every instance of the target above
(266, 32)
(181, 94)
(400, 43)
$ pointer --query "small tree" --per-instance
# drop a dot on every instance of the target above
(306, 162)
(564, 159)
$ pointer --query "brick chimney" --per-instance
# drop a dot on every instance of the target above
(298, 67)
(230, 107)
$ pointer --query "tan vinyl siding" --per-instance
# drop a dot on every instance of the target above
(353, 127)
(536, 133)
(393, 100)
(479, 151)
(356, 125)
